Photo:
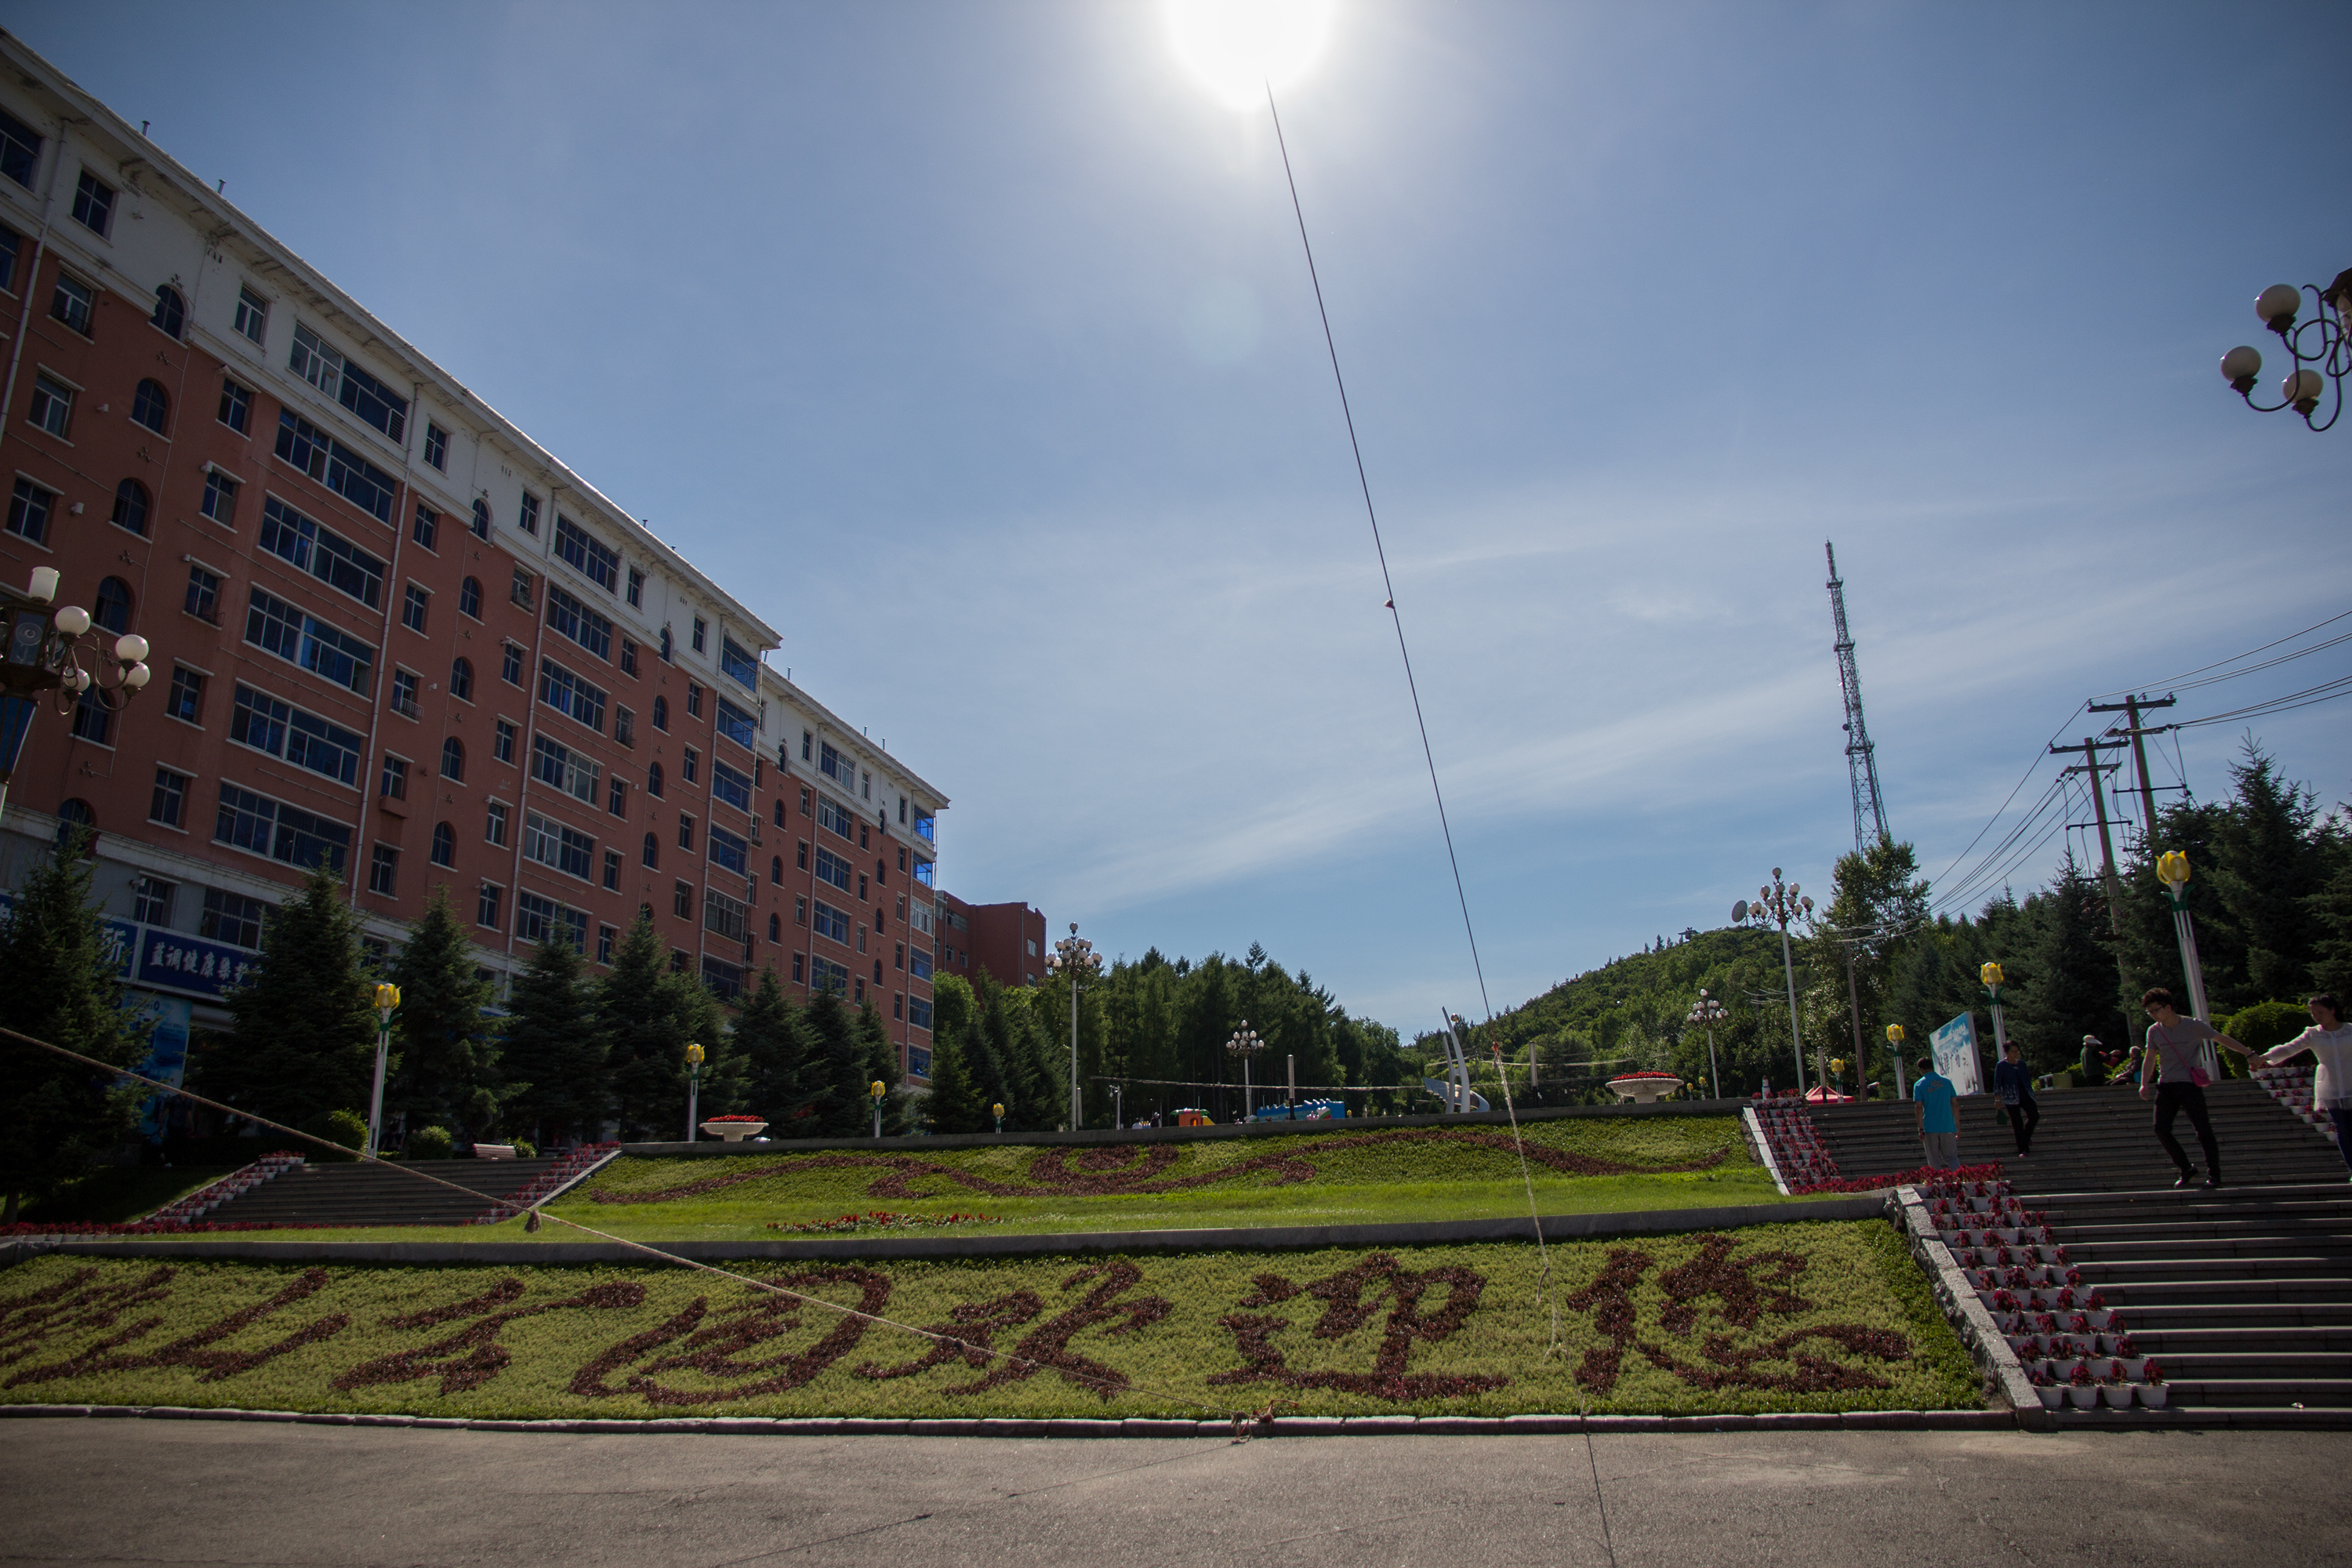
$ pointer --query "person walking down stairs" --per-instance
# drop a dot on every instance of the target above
(2329, 1040)
(2173, 1073)
(2013, 1087)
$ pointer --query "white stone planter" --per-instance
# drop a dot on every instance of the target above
(2052, 1397)
(734, 1132)
(2118, 1396)
(1645, 1090)
(2154, 1394)
(2084, 1398)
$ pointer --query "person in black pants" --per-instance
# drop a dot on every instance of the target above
(2013, 1087)
(2173, 1074)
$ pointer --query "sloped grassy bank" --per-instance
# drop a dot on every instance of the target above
(1333, 1173)
(1824, 1315)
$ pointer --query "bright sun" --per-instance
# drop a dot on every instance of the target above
(1237, 46)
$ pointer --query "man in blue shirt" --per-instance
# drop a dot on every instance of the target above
(1939, 1122)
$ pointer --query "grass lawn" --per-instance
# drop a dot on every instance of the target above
(1362, 1175)
(1825, 1316)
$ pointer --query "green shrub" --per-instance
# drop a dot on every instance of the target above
(2266, 1024)
(523, 1150)
(348, 1127)
(429, 1144)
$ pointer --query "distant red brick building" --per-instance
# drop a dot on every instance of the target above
(1008, 941)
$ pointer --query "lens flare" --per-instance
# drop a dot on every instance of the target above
(1238, 46)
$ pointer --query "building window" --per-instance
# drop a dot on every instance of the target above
(220, 497)
(701, 633)
(231, 918)
(169, 803)
(52, 406)
(923, 872)
(495, 828)
(573, 772)
(187, 699)
(20, 150)
(383, 871)
(628, 656)
(686, 763)
(263, 827)
(73, 302)
(736, 725)
(276, 626)
(804, 854)
(469, 599)
(324, 367)
(111, 610)
(800, 911)
(427, 526)
(898, 958)
(587, 553)
(727, 917)
(624, 727)
(252, 313)
(29, 511)
(565, 849)
(151, 900)
(661, 714)
(279, 729)
(570, 696)
(453, 759)
(776, 809)
(93, 206)
(150, 406)
(510, 664)
(677, 961)
(831, 869)
(681, 902)
(896, 1005)
(832, 923)
(394, 783)
(776, 929)
(776, 870)
(444, 845)
(612, 870)
(605, 936)
(519, 591)
(405, 684)
(235, 407)
(481, 518)
(738, 664)
(340, 469)
(436, 446)
(502, 742)
(798, 960)
(729, 850)
(652, 855)
(806, 810)
(461, 680)
(171, 312)
(636, 588)
(412, 607)
(578, 622)
(130, 506)
(693, 701)
(616, 796)
(526, 514)
(487, 905)
(684, 832)
(653, 780)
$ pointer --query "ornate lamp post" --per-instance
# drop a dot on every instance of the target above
(1894, 1049)
(1245, 1045)
(1706, 1013)
(2318, 344)
(2172, 870)
(1993, 981)
(1781, 904)
(878, 1088)
(1075, 957)
(387, 1002)
(52, 657)
(997, 1111)
(694, 1055)
(1837, 1074)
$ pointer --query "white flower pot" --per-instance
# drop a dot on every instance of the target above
(2154, 1394)
(2133, 1366)
(2052, 1397)
(734, 1132)
(2118, 1396)
(2082, 1398)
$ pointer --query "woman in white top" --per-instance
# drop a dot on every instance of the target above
(2329, 1040)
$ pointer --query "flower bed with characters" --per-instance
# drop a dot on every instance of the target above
(1829, 1316)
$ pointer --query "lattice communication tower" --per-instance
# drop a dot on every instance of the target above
(1861, 761)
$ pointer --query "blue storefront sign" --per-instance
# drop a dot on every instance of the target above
(191, 964)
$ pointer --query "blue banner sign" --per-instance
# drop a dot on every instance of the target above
(1955, 1050)
(190, 963)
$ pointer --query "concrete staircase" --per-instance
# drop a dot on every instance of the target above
(2092, 1140)
(377, 1194)
(2243, 1295)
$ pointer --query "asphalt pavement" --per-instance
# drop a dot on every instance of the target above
(173, 1492)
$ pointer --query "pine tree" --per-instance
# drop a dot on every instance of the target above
(769, 1038)
(448, 1058)
(553, 1057)
(55, 1116)
(882, 1068)
(305, 1033)
(833, 1080)
(2073, 971)
(2273, 853)
(646, 1017)
(957, 1103)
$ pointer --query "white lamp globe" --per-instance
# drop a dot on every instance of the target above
(2278, 299)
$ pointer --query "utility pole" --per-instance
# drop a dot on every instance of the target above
(2131, 706)
(2091, 766)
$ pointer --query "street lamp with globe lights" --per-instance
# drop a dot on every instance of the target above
(2318, 344)
(694, 1055)
(1781, 903)
(53, 655)
(1075, 958)
(1246, 1044)
(1706, 1013)
(1894, 1049)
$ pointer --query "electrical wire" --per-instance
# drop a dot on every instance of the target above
(1331, 347)
(2326, 691)
(2176, 681)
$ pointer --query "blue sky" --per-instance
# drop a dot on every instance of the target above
(983, 333)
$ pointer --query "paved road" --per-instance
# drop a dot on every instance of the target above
(155, 1492)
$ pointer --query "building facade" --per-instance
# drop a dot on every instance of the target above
(1006, 941)
(389, 632)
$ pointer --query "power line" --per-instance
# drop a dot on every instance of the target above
(2176, 681)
